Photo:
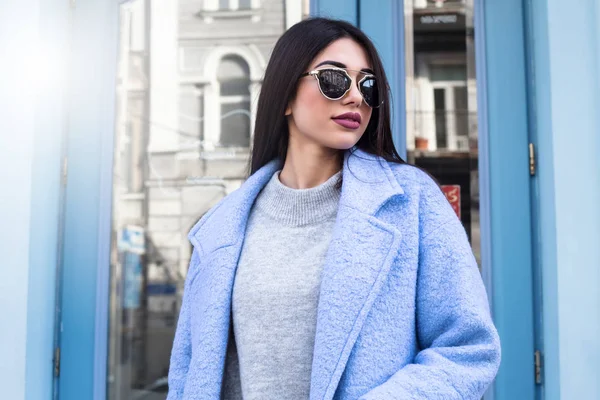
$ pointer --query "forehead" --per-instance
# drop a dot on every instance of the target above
(345, 51)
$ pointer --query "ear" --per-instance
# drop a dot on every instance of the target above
(288, 108)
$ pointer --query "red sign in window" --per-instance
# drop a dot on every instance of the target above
(452, 193)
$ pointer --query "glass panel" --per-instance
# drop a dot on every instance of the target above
(447, 73)
(232, 68)
(439, 100)
(461, 111)
(442, 102)
(234, 77)
(235, 124)
(188, 80)
(245, 4)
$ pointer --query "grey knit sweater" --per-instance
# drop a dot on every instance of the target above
(276, 292)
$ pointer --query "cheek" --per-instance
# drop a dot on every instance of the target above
(369, 113)
(311, 104)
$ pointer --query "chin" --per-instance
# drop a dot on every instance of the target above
(337, 140)
(343, 146)
(339, 143)
(345, 141)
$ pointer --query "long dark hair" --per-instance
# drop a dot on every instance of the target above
(292, 55)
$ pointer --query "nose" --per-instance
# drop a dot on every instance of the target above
(353, 97)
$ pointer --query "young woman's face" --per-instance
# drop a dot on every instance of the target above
(314, 118)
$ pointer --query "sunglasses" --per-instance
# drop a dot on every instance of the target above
(334, 83)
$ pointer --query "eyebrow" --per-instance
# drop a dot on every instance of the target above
(342, 65)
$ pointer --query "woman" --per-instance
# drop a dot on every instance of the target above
(336, 271)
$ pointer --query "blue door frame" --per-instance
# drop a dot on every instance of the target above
(86, 241)
(503, 165)
(503, 107)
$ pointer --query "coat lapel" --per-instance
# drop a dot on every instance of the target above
(212, 286)
(359, 258)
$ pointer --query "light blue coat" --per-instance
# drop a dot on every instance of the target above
(402, 314)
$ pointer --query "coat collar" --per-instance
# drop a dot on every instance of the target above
(368, 182)
(360, 255)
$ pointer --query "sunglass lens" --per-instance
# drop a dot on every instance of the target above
(333, 83)
(370, 93)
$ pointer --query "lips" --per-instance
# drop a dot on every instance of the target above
(348, 120)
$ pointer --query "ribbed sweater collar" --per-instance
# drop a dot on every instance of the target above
(297, 207)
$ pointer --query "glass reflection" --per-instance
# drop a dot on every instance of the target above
(442, 102)
(189, 74)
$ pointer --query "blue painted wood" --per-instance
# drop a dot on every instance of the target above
(485, 195)
(46, 194)
(510, 219)
(566, 101)
(105, 216)
(30, 130)
(383, 21)
(88, 199)
(339, 9)
(533, 74)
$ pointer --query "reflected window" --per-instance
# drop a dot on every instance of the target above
(245, 4)
(234, 85)
(450, 108)
(437, 3)
(235, 5)
(441, 120)
(181, 144)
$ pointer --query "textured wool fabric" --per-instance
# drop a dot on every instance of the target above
(276, 291)
(402, 312)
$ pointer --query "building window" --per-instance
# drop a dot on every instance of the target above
(235, 5)
(234, 84)
(450, 104)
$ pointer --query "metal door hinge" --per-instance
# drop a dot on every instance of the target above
(532, 164)
(57, 361)
(65, 168)
(538, 367)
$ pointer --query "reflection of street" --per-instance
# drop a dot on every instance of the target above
(185, 110)
(161, 331)
(186, 100)
(476, 234)
(156, 390)
(441, 118)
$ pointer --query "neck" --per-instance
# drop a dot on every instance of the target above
(309, 165)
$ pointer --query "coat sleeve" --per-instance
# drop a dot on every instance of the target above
(181, 352)
(460, 347)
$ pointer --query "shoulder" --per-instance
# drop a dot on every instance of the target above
(423, 193)
(208, 216)
(414, 181)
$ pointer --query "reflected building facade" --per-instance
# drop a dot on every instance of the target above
(189, 76)
(441, 98)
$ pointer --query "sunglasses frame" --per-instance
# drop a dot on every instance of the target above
(367, 75)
